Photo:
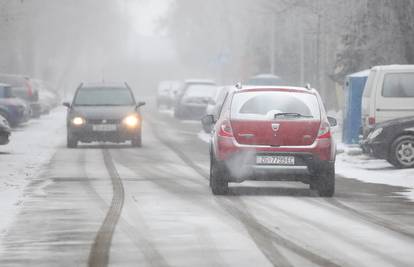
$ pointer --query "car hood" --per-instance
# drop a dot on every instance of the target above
(13, 101)
(408, 121)
(103, 112)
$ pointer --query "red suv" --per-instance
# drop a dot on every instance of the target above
(272, 133)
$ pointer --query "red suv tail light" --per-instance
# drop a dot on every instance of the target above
(225, 129)
(371, 120)
(324, 130)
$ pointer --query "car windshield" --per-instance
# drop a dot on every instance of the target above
(271, 104)
(102, 96)
(200, 90)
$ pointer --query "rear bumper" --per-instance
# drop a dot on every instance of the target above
(36, 109)
(87, 134)
(241, 161)
(375, 148)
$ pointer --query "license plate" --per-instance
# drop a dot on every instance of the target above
(104, 127)
(275, 160)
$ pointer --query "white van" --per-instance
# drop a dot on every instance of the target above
(388, 94)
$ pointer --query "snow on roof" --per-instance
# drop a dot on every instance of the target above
(265, 76)
(394, 67)
(363, 73)
(200, 81)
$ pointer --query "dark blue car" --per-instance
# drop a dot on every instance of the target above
(13, 109)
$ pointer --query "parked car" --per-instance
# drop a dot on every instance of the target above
(5, 131)
(388, 94)
(48, 97)
(22, 88)
(214, 105)
(193, 98)
(392, 140)
(104, 112)
(13, 109)
(272, 133)
(265, 79)
(166, 93)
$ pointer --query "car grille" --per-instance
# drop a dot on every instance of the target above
(103, 121)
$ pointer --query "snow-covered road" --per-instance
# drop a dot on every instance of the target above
(121, 206)
(31, 147)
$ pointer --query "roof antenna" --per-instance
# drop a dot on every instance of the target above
(308, 86)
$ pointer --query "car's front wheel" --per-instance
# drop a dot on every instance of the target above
(137, 141)
(402, 152)
(323, 181)
(72, 142)
(218, 178)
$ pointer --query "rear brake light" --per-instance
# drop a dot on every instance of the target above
(29, 87)
(371, 120)
(225, 129)
(324, 131)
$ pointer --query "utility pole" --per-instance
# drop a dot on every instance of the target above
(302, 55)
(272, 44)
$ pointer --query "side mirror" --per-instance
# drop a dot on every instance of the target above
(140, 104)
(208, 122)
(66, 104)
(332, 121)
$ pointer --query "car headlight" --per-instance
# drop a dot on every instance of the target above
(131, 121)
(375, 133)
(78, 121)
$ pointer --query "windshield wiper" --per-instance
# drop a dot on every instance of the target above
(292, 114)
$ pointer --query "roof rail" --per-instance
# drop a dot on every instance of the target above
(239, 86)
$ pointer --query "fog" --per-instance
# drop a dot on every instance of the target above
(197, 162)
(144, 42)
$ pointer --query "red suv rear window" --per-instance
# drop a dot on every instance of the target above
(265, 105)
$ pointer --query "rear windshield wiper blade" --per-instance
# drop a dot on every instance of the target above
(292, 114)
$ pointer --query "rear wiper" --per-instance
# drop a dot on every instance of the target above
(292, 114)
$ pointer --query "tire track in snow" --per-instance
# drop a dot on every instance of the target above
(134, 232)
(259, 233)
(388, 225)
(99, 254)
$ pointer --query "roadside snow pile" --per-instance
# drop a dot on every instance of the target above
(31, 146)
(353, 164)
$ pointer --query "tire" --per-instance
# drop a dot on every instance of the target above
(323, 181)
(71, 141)
(137, 142)
(402, 152)
(6, 116)
(218, 178)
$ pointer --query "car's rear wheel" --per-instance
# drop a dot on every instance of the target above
(402, 152)
(72, 142)
(218, 178)
(137, 141)
(323, 181)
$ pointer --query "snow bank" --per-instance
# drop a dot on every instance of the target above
(352, 164)
(31, 146)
